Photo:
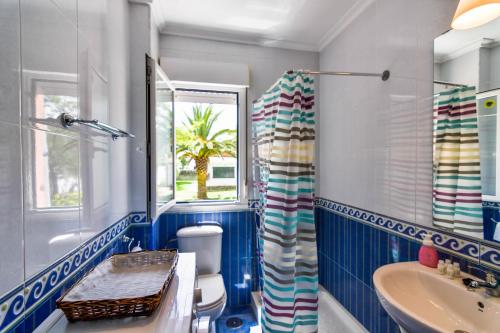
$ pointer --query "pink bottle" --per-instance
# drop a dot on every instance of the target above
(427, 255)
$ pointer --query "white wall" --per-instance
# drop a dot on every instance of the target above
(266, 65)
(494, 67)
(141, 42)
(474, 68)
(463, 69)
(69, 49)
(144, 39)
(376, 137)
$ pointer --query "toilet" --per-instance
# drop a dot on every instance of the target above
(206, 242)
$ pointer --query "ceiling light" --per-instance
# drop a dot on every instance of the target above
(473, 13)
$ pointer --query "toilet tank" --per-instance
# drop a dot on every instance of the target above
(206, 242)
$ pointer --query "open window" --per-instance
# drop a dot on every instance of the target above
(197, 142)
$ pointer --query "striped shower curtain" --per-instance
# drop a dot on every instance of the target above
(283, 142)
(457, 201)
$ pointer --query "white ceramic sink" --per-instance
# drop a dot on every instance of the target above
(421, 300)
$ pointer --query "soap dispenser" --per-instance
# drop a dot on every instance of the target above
(427, 255)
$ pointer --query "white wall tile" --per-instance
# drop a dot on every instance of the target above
(93, 37)
(52, 197)
(388, 123)
(96, 187)
(74, 59)
(11, 223)
(49, 63)
(396, 37)
(9, 63)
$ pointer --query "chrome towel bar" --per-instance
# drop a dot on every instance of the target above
(68, 120)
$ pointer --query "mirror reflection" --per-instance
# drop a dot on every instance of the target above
(466, 189)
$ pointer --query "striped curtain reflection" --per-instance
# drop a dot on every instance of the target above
(283, 139)
(457, 201)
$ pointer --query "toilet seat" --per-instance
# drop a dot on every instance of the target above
(213, 292)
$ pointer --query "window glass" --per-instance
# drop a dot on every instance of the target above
(206, 134)
(164, 143)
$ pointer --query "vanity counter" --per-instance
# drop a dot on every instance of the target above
(173, 315)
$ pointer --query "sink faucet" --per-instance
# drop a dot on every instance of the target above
(491, 285)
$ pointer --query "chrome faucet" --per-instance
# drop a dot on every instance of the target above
(491, 285)
(128, 240)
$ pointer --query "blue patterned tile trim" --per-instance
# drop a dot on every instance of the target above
(490, 256)
(253, 203)
(19, 303)
(398, 227)
(138, 217)
(454, 244)
(491, 204)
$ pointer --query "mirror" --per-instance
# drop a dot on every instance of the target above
(466, 132)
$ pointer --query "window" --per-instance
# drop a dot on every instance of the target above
(488, 123)
(208, 144)
(223, 172)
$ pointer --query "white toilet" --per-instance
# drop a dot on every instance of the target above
(206, 242)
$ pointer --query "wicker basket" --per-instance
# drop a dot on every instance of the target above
(124, 285)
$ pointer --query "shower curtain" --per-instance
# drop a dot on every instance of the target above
(283, 148)
(457, 203)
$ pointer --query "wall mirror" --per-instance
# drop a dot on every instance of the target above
(466, 132)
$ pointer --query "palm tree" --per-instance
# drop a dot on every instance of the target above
(199, 144)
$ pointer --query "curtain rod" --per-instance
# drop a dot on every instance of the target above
(384, 75)
(450, 84)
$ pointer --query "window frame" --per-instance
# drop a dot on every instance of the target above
(241, 138)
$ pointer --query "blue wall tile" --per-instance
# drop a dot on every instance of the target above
(239, 258)
(490, 215)
(349, 252)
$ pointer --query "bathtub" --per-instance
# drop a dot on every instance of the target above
(333, 317)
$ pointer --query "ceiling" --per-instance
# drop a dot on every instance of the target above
(294, 24)
(454, 43)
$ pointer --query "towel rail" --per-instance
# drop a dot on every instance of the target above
(68, 120)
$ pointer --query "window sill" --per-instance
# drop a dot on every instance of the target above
(209, 206)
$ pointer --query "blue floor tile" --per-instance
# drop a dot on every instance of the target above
(245, 313)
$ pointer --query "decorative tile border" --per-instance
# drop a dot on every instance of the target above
(137, 217)
(490, 256)
(398, 227)
(462, 246)
(25, 298)
(253, 203)
(491, 204)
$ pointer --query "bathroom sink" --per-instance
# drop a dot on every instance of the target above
(421, 300)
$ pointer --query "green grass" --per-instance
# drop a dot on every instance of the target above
(185, 190)
(182, 185)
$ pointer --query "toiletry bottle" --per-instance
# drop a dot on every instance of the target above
(441, 267)
(450, 272)
(427, 255)
(456, 270)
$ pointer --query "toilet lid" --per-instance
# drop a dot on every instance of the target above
(212, 290)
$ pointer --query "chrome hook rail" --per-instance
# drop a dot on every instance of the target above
(68, 120)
